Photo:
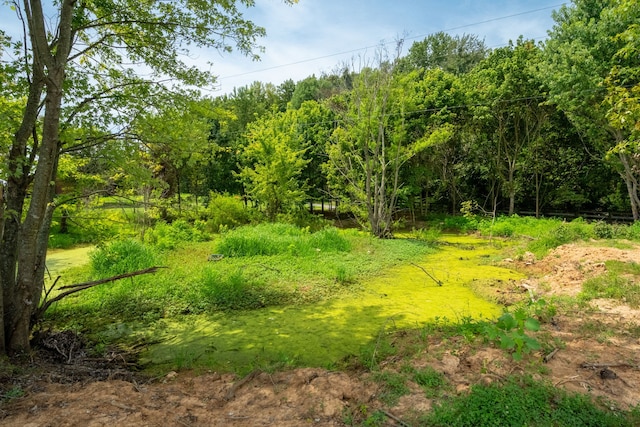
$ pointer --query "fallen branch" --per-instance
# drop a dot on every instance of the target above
(72, 289)
(428, 274)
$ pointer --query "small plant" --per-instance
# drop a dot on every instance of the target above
(13, 393)
(393, 386)
(510, 331)
(431, 381)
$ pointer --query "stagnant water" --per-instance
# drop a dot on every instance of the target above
(323, 333)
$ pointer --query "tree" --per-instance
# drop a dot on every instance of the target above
(73, 68)
(453, 54)
(370, 145)
(591, 77)
(274, 160)
(510, 110)
(175, 144)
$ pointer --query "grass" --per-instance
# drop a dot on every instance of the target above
(265, 265)
(521, 401)
(620, 282)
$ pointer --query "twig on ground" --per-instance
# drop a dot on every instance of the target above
(396, 419)
(439, 282)
(549, 356)
(607, 365)
(232, 391)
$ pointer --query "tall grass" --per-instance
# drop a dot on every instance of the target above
(121, 256)
(169, 236)
(279, 238)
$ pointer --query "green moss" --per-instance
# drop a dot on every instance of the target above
(326, 332)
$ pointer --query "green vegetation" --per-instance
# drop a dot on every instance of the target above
(522, 401)
(620, 282)
(275, 289)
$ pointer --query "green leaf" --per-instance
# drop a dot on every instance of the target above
(532, 343)
(507, 342)
(506, 322)
(532, 324)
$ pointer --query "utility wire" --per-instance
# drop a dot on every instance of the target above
(317, 58)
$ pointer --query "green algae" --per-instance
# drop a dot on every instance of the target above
(59, 260)
(407, 296)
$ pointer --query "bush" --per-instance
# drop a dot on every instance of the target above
(226, 212)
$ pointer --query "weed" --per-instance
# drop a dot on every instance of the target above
(121, 256)
(431, 381)
(510, 332)
(376, 351)
(278, 238)
(360, 416)
(615, 284)
(392, 386)
(13, 393)
(169, 236)
(234, 291)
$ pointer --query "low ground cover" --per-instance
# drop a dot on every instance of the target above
(446, 371)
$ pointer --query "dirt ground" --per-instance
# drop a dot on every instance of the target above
(597, 354)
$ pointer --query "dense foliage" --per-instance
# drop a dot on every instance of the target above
(525, 128)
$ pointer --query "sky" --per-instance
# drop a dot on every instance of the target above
(317, 36)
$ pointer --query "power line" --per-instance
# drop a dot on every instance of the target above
(317, 58)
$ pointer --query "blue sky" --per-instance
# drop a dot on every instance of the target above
(316, 36)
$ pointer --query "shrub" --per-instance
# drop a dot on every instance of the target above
(226, 212)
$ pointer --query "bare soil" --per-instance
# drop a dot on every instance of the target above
(597, 352)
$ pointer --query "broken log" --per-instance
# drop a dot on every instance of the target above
(72, 289)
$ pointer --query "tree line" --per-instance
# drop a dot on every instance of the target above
(527, 126)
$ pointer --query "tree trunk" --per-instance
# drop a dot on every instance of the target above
(35, 228)
(23, 247)
(632, 185)
(2, 346)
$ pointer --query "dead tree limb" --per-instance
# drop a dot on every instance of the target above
(72, 289)
(439, 282)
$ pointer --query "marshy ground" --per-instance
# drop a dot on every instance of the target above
(596, 353)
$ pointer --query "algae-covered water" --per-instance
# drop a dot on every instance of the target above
(59, 260)
(321, 334)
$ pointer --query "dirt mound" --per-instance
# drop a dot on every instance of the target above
(564, 269)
